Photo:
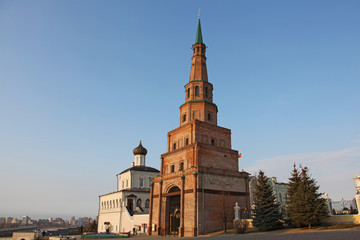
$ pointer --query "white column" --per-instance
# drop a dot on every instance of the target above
(357, 196)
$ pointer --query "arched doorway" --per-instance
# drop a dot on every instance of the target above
(173, 211)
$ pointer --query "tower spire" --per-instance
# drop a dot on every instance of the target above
(198, 33)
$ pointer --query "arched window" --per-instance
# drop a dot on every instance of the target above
(147, 203)
(206, 91)
(209, 116)
(174, 146)
(197, 91)
(212, 141)
(186, 141)
(138, 203)
(188, 92)
(184, 118)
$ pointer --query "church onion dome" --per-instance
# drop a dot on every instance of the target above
(140, 150)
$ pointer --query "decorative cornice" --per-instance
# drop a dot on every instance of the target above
(202, 100)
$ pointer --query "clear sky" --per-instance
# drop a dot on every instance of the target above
(82, 82)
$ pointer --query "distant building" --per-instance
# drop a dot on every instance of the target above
(15, 221)
(279, 190)
(25, 220)
(72, 221)
(83, 221)
(8, 220)
(343, 206)
(127, 208)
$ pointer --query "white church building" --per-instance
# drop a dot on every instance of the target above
(128, 207)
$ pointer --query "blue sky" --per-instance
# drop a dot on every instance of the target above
(82, 82)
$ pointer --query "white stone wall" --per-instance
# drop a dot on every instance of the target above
(139, 160)
(146, 176)
(133, 179)
(129, 222)
(110, 202)
(124, 181)
(117, 215)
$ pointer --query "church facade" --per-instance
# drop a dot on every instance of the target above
(199, 180)
(128, 207)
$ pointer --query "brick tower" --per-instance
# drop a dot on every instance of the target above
(199, 180)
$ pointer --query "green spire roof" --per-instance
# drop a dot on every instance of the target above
(198, 34)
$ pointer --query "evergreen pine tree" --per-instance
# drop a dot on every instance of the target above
(267, 214)
(305, 206)
(294, 198)
(315, 205)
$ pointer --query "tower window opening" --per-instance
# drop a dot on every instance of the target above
(209, 116)
(172, 168)
(188, 92)
(197, 91)
(206, 91)
(186, 141)
(184, 118)
(174, 146)
(181, 166)
(212, 141)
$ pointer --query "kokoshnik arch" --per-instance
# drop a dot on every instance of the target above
(199, 180)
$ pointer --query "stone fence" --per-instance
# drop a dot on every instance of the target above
(343, 219)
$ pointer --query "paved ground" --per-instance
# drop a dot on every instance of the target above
(338, 234)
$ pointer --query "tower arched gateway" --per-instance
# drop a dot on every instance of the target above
(173, 211)
(199, 177)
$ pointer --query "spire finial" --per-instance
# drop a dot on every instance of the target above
(199, 13)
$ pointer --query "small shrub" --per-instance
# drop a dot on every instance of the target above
(241, 226)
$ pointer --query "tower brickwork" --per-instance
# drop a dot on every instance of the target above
(199, 180)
